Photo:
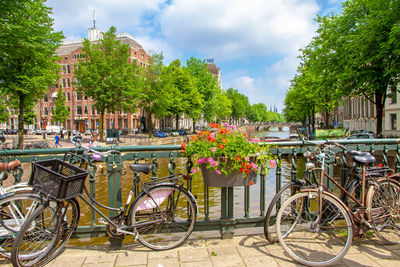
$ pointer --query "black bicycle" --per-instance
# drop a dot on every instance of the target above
(161, 216)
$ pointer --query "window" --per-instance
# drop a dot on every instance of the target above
(63, 69)
(68, 96)
(93, 111)
(393, 121)
(45, 111)
(78, 110)
(78, 96)
(68, 83)
(45, 98)
(52, 110)
(68, 69)
(393, 97)
(63, 81)
(85, 110)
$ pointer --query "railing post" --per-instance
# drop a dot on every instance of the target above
(227, 221)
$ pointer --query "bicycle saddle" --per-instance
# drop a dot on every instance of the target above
(364, 159)
(145, 168)
(359, 153)
(6, 166)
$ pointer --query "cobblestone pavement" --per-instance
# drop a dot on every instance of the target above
(249, 250)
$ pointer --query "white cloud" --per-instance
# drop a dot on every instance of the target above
(227, 29)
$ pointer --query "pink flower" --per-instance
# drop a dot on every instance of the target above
(255, 140)
(212, 135)
(217, 172)
(193, 170)
(253, 165)
(201, 160)
(209, 160)
(213, 149)
(272, 163)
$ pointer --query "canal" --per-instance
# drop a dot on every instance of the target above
(197, 189)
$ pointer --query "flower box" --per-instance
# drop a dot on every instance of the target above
(236, 178)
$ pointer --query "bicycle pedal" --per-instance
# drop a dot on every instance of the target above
(102, 221)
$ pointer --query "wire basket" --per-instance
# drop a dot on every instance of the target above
(57, 179)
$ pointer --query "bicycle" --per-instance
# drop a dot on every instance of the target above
(352, 185)
(161, 216)
(317, 215)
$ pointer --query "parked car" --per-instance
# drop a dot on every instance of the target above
(39, 131)
(365, 135)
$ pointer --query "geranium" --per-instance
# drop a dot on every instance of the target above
(225, 151)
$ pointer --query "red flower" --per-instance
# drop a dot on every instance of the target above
(183, 147)
(221, 146)
(251, 183)
(237, 158)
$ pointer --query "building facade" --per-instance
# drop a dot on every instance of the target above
(391, 113)
(83, 115)
(359, 113)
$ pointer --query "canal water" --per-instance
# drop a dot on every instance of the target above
(197, 189)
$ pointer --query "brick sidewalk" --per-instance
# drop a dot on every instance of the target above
(251, 250)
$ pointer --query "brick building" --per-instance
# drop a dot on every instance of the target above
(82, 114)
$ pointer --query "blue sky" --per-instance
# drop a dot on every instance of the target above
(254, 42)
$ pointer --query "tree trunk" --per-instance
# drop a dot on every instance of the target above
(21, 121)
(101, 126)
(326, 120)
(194, 126)
(176, 122)
(379, 104)
(150, 124)
(313, 121)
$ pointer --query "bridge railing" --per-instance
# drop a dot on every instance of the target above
(251, 200)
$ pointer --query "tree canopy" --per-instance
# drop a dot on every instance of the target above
(27, 54)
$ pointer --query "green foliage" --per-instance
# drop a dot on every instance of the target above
(27, 59)
(61, 111)
(106, 75)
(4, 115)
(206, 85)
(225, 151)
(240, 103)
(186, 98)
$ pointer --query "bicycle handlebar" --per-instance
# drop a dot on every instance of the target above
(77, 141)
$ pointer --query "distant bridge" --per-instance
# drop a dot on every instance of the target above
(267, 126)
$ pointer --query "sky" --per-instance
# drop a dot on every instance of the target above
(255, 43)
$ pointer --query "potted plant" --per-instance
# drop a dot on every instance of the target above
(227, 157)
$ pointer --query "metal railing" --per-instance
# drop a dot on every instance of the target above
(387, 150)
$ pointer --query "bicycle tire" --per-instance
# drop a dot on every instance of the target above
(15, 207)
(69, 223)
(270, 219)
(168, 223)
(383, 210)
(37, 237)
(333, 235)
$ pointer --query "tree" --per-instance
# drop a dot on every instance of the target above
(364, 41)
(27, 54)
(222, 105)
(240, 104)
(106, 75)
(187, 99)
(157, 95)
(61, 111)
(206, 85)
(4, 115)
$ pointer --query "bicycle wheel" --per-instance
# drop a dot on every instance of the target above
(164, 218)
(354, 189)
(69, 222)
(310, 237)
(270, 216)
(37, 237)
(15, 207)
(383, 202)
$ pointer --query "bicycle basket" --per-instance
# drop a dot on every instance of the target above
(57, 179)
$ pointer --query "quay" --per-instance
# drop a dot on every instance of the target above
(244, 249)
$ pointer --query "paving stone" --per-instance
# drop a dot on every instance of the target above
(390, 262)
(131, 258)
(360, 260)
(225, 250)
(67, 261)
(245, 251)
(376, 251)
(166, 254)
(163, 262)
(261, 261)
(102, 258)
(227, 260)
(99, 264)
(201, 263)
(196, 254)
